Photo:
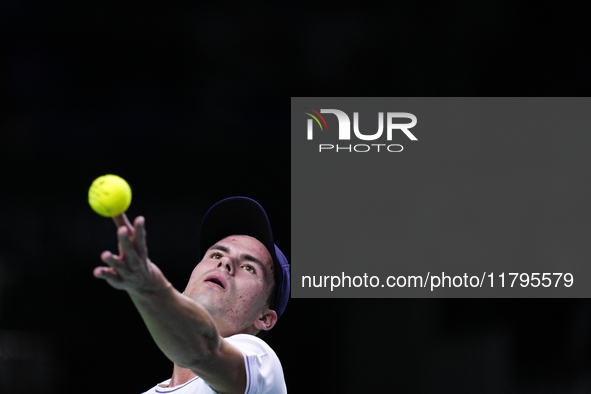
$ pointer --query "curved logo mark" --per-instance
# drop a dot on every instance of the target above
(315, 118)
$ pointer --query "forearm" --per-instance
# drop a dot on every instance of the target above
(182, 329)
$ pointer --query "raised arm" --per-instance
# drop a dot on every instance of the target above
(182, 329)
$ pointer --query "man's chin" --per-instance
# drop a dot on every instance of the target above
(209, 303)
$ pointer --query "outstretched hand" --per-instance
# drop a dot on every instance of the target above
(131, 270)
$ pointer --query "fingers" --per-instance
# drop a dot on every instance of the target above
(140, 238)
(116, 272)
(116, 263)
(127, 249)
(107, 273)
(123, 221)
(129, 268)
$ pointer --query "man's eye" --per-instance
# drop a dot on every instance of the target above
(249, 268)
(216, 255)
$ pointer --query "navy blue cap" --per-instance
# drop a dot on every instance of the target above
(245, 216)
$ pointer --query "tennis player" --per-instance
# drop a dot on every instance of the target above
(212, 331)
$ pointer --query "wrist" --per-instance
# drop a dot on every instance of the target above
(158, 289)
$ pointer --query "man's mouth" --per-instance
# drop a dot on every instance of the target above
(216, 280)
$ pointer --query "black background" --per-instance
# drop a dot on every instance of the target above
(188, 102)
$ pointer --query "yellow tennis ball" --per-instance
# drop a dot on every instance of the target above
(109, 195)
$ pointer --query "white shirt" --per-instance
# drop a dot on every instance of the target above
(264, 374)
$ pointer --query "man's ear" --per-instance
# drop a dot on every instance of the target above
(266, 321)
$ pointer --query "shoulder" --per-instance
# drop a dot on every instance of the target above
(263, 368)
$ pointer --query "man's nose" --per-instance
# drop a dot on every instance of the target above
(227, 265)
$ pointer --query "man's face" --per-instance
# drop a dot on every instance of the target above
(233, 282)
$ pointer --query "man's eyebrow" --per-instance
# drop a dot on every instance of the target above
(220, 247)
